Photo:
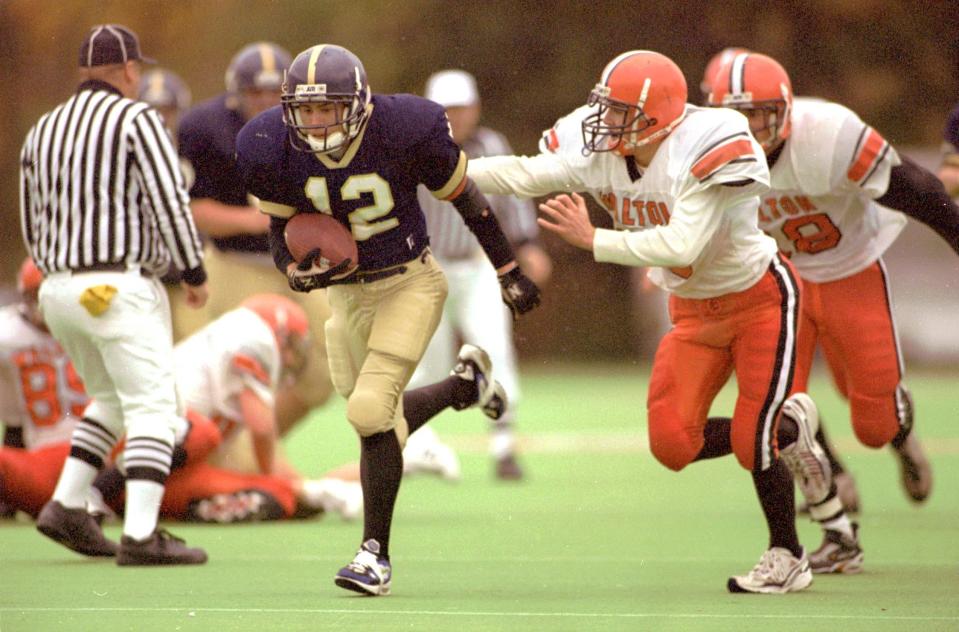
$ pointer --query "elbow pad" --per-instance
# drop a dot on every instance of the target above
(471, 201)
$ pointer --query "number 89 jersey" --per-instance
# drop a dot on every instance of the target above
(820, 207)
(371, 189)
(39, 390)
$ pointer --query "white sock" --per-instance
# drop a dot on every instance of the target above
(841, 524)
(502, 443)
(75, 480)
(142, 508)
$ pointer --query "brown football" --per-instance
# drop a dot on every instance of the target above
(309, 231)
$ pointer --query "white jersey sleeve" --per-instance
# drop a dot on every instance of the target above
(234, 353)
(561, 166)
(862, 159)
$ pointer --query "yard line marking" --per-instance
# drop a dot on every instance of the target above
(480, 613)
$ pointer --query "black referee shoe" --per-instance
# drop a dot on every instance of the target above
(160, 548)
(75, 529)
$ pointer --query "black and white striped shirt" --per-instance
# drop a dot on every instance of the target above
(100, 184)
(450, 239)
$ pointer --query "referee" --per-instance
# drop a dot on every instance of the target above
(104, 211)
(474, 311)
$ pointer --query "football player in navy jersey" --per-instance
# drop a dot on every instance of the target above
(237, 253)
(335, 148)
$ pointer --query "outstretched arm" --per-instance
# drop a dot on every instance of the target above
(524, 176)
(920, 195)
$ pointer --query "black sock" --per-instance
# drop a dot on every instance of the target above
(834, 462)
(422, 404)
(717, 440)
(774, 487)
(381, 468)
(110, 482)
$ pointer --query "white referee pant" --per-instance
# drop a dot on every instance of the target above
(123, 355)
(475, 311)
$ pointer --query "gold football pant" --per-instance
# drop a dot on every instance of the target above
(375, 338)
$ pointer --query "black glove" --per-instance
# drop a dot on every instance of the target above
(519, 293)
(301, 278)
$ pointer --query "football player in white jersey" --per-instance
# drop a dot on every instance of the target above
(41, 399)
(230, 371)
(834, 180)
(682, 185)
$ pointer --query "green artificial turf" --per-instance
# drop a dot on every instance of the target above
(598, 537)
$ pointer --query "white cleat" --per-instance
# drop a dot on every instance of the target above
(805, 458)
(778, 571)
(473, 365)
(426, 454)
(333, 495)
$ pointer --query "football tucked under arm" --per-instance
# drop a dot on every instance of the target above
(322, 249)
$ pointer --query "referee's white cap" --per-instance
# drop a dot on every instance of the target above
(452, 88)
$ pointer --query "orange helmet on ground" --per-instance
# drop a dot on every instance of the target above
(715, 63)
(289, 324)
(753, 82)
(640, 98)
(29, 277)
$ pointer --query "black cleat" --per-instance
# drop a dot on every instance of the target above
(160, 548)
(75, 529)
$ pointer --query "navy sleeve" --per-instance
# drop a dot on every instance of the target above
(438, 161)
(195, 144)
(255, 157)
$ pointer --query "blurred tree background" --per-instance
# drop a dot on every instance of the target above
(893, 62)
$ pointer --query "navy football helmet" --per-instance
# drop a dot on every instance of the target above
(324, 74)
(164, 89)
(258, 66)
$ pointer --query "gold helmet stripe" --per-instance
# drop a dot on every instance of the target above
(267, 57)
(155, 85)
(311, 66)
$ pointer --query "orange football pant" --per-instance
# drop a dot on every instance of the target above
(852, 320)
(28, 477)
(203, 480)
(751, 333)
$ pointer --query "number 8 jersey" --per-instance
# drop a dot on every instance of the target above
(820, 207)
(39, 390)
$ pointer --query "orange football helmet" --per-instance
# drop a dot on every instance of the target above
(289, 324)
(751, 83)
(716, 62)
(640, 98)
